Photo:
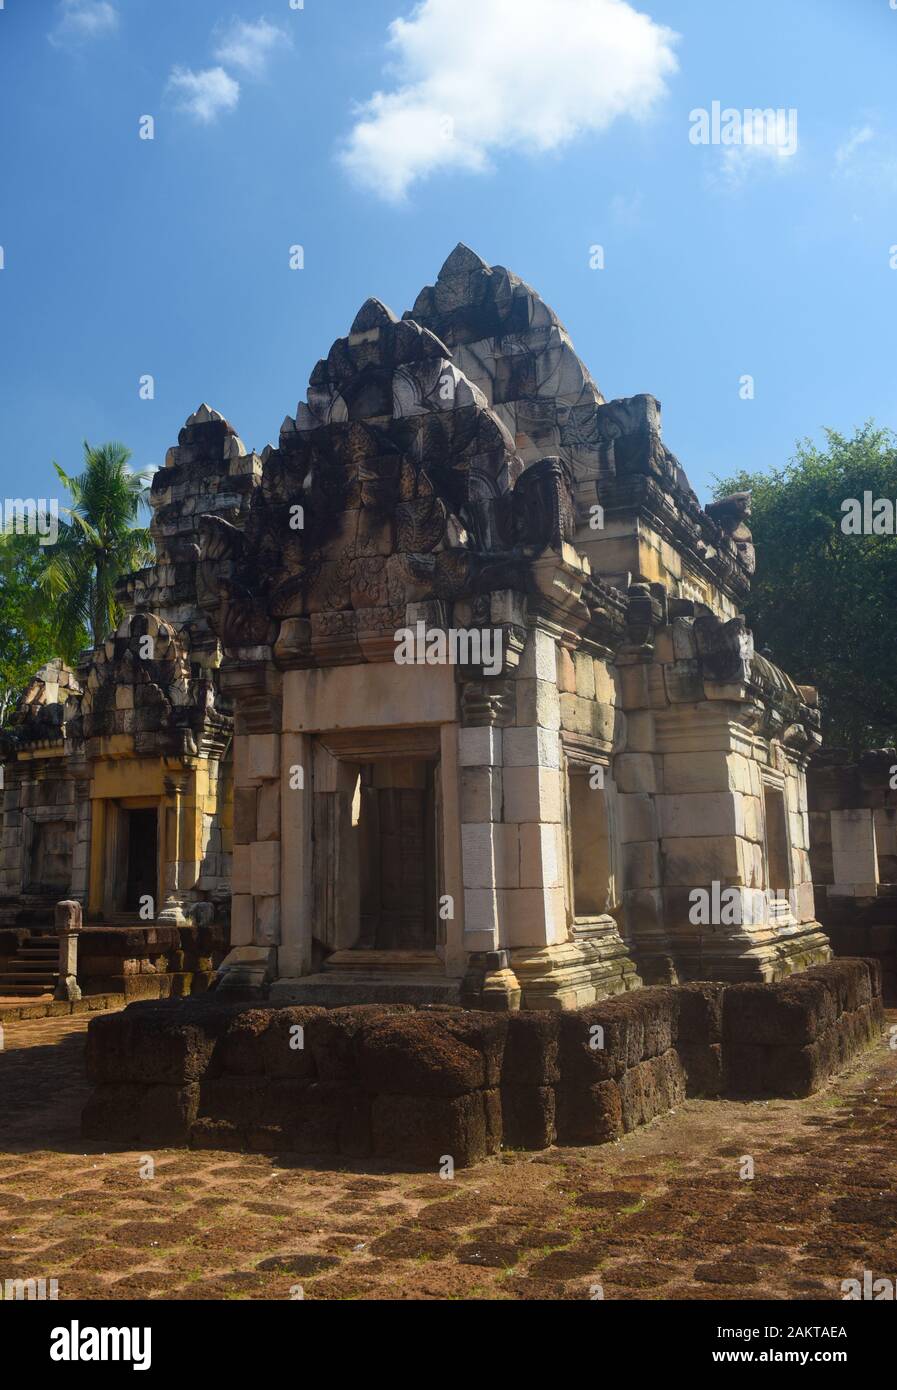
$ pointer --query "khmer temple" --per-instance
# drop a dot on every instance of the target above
(246, 758)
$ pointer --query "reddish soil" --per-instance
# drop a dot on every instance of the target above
(663, 1214)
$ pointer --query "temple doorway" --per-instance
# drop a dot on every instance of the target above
(131, 863)
(141, 832)
(377, 863)
(397, 847)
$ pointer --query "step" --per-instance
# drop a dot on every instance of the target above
(30, 976)
(335, 989)
(12, 990)
(373, 962)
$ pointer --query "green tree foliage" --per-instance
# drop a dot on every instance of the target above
(98, 543)
(27, 630)
(824, 603)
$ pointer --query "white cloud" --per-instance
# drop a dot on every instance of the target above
(738, 163)
(865, 159)
(848, 148)
(474, 77)
(248, 46)
(78, 20)
(204, 94)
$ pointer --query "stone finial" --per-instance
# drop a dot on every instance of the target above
(462, 261)
(204, 416)
(372, 314)
(68, 917)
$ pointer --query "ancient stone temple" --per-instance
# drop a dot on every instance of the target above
(117, 777)
(462, 663)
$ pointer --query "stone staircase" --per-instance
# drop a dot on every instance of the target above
(34, 969)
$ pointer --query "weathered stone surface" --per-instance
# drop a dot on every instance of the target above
(334, 1037)
(528, 1116)
(589, 1114)
(607, 1038)
(699, 1013)
(153, 1045)
(158, 1114)
(432, 1054)
(68, 917)
(654, 1086)
(241, 1050)
(531, 1054)
(332, 1119)
(427, 1129)
(793, 1013)
(284, 1057)
(404, 1083)
(702, 1064)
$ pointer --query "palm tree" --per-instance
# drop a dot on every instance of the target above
(97, 545)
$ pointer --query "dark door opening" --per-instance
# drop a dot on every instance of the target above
(142, 879)
(398, 868)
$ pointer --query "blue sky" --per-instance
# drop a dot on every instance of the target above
(125, 257)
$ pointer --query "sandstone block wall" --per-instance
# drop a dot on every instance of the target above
(786, 1039)
(415, 1086)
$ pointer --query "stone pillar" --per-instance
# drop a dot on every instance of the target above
(483, 868)
(97, 870)
(296, 886)
(81, 850)
(255, 687)
(513, 829)
(172, 913)
(264, 851)
(637, 774)
(451, 783)
(68, 921)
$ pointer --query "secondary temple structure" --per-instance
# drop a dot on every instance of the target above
(853, 854)
(446, 698)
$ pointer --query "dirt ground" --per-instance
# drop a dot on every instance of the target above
(664, 1214)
